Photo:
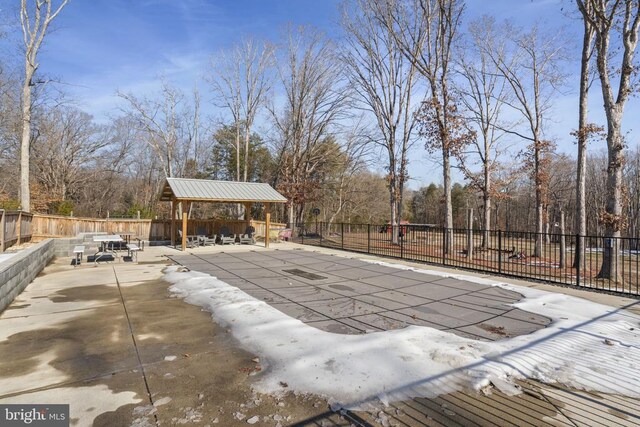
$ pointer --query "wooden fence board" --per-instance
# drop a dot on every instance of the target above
(13, 223)
(43, 226)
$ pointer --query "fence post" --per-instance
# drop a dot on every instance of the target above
(401, 235)
(342, 234)
(368, 238)
(2, 221)
(321, 226)
(19, 227)
(499, 251)
(578, 258)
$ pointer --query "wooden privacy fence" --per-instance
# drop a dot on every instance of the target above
(45, 226)
(15, 228)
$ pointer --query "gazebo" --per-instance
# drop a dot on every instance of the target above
(186, 191)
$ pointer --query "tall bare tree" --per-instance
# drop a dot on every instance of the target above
(425, 32)
(241, 83)
(619, 19)
(35, 17)
(384, 83)
(484, 95)
(314, 101)
(531, 66)
(170, 124)
(583, 132)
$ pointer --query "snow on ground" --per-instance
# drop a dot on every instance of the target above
(587, 346)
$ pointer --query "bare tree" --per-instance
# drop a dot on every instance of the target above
(619, 19)
(66, 145)
(314, 101)
(241, 83)
(531, 67)
(169, 124)
(425, 32)
(35, 20)
(384, 83)
(484, 95)
(583, 132)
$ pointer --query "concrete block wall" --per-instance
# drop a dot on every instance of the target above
(19, 270)
(64, 247)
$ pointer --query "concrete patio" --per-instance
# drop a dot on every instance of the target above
(112, 342)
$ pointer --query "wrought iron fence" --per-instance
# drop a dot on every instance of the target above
(547, 257)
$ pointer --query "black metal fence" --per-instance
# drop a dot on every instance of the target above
(548, 257)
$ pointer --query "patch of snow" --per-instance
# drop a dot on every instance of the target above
(358, 371)
(162, 401)
(170, 358)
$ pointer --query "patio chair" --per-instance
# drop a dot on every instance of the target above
(203, 238)
(206, 241)
(191, 241)
(226, 237)
(247, 238)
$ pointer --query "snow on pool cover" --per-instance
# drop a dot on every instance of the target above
(587, 346)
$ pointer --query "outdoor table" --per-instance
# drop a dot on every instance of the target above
(104, 240)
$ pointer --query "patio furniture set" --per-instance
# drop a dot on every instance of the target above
(225, 237)
(109, 245)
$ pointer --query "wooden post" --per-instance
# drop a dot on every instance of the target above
(184, 231)
(470, 234)
(173, 223)
(247, 215)
(267, 224)
(2, 221)
(19, 227)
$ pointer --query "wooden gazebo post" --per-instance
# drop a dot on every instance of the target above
(267, 224)
(173, 222)
(185, 208)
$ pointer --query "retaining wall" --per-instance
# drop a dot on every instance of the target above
(19, 270)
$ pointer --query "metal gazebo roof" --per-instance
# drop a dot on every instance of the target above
(202, 190)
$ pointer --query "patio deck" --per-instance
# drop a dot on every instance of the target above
(111, 341)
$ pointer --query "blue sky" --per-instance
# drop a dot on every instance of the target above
(102, 46)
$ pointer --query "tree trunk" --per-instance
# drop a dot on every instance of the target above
(394, 210)
(537, 252)
(246, 153)
(448, 218)
(581, 173)
(486, 201)
(25, 195)
(292, 218)
(237, 151)
(613, 215)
